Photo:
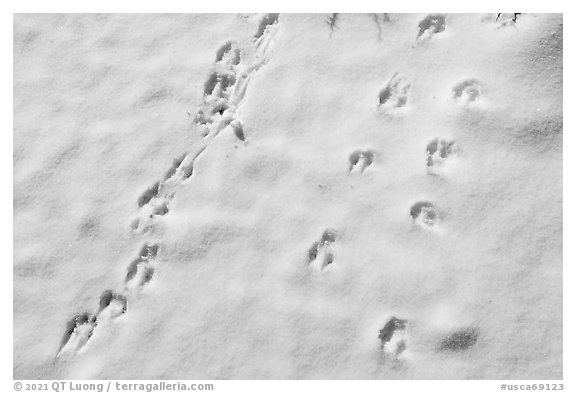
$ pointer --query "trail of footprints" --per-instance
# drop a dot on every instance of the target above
(227, 84)
(111, 305)
(224, 90)
(393, 336)
(155, 201)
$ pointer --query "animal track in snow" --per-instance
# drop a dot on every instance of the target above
(395, 94)
(459, 340)
(157, 207)
(424, 214)
(228, 52)
(182, 169)
(141, 270)
(155, 201)
(175, 165)
(360, 160)
(227, 84)
(437, 152)
(322, 252)
(223, 92)
(466, 91)
(393, 337)
(222, 81)
(432, 24)
(151, 198)
(113, 304)
(219, 87)
(149, 194)
(78, 331)
(267, 20)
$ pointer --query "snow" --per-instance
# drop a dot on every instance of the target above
(258, 196)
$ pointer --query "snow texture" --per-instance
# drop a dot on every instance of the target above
(371, 196)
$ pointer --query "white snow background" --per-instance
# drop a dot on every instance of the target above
(321, 130)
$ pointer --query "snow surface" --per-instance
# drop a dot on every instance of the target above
(374, 196)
